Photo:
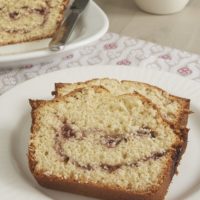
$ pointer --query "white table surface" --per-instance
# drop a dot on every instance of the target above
(181, 30)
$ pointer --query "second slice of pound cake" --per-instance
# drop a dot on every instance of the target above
(173, 109)
(28, 20)
(94, 143)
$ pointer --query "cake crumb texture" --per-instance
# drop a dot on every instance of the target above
(92, 137)
(28, 20)
(174, 109)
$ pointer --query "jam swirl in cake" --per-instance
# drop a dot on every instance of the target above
(67, 133)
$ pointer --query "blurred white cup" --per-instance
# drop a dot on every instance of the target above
(161, 6)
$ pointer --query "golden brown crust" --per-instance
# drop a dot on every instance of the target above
(183, 117)
(31, 148)
(64, 5)
(180, 150)
(31, 158)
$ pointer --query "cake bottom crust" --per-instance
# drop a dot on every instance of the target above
(109, 193)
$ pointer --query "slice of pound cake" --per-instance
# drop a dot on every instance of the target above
(24, 20)
(94, 143)
(173, 109)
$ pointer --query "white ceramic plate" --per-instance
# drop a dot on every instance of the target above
(15, 121)
(92, 24)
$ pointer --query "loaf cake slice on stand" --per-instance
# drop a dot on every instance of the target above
(94, 143)
(22, 20)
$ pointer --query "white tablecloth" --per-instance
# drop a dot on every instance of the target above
(112, 49)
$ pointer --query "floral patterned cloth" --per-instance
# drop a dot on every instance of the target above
(111, 49)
